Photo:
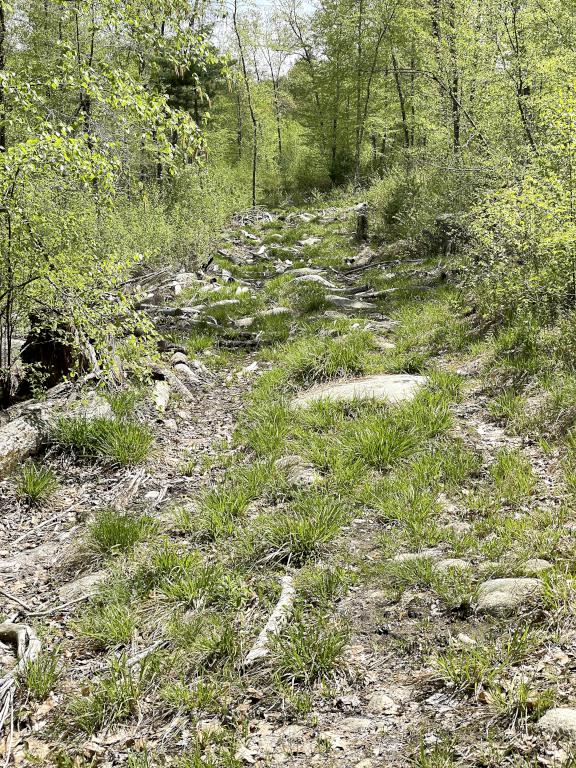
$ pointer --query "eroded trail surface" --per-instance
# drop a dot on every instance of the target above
(333, 554)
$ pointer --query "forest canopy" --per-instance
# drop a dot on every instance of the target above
(130, 131)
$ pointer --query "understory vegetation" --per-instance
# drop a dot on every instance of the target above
(222, 228)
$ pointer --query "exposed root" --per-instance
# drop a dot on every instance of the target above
(27, 646)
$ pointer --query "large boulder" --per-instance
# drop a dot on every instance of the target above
(394, 388)
(18, 440)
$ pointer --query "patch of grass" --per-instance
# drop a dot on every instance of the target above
(40, 675)
(124, 403)
(507, 407)
(295, 535)
(121, 442)
(513, 476)
(437, 756)
(266, 427)
(309, 650)
(211, 641)
(112, 698)
(220, 509)
(519, 701)
(322, 585)
(381, 441)
(114, 532)
(203, 696)
(35, 483)
(478, 667)
(108, 625)
(204, 584)
(306, 297)
(312, 360)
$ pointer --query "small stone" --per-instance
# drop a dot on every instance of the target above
(452, 564)
(244, 322)
(318, 279)
(356, 724)
(560, 720)
(365, 764)
(309, 241)
(501, 597)
(161, 395)
(351, 304)
(275, 311)
(381, 704)
(464, 639)
(536, 567)
(298, 473)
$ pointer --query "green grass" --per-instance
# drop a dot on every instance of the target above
(513, 476)
(309, 650)
(312, 360)
(306, 297)
(211, 641)
(40, 675)
(35, 483)
(108, 625)
(471, 669)
(120, 442)
(113, 532)
(110, 699)
(297, 534)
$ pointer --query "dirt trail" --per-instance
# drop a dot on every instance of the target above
(389, 706)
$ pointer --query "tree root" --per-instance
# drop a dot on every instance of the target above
(27, 646)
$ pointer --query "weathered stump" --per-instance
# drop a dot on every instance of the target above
(362, 222)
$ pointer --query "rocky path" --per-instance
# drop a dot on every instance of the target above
(447, 574)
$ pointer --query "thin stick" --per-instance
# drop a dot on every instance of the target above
(57, 608)
(15, 599)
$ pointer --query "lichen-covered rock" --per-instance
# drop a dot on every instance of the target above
(298, 473)
(560, 720)
(536, 566)
(18, 440)
(452, 564)
(501, 597)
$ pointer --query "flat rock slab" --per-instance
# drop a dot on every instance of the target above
(395, 388)
(501, 597)
(85, 585)
(560, 720)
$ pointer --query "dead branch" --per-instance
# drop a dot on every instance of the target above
(275, 623)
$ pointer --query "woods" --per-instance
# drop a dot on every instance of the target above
(287, 383)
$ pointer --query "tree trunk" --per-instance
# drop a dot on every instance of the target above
(3, 137)
(250, 103)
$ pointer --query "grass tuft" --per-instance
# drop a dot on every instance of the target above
(120, 442)
(113, 532)
(35, 483)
